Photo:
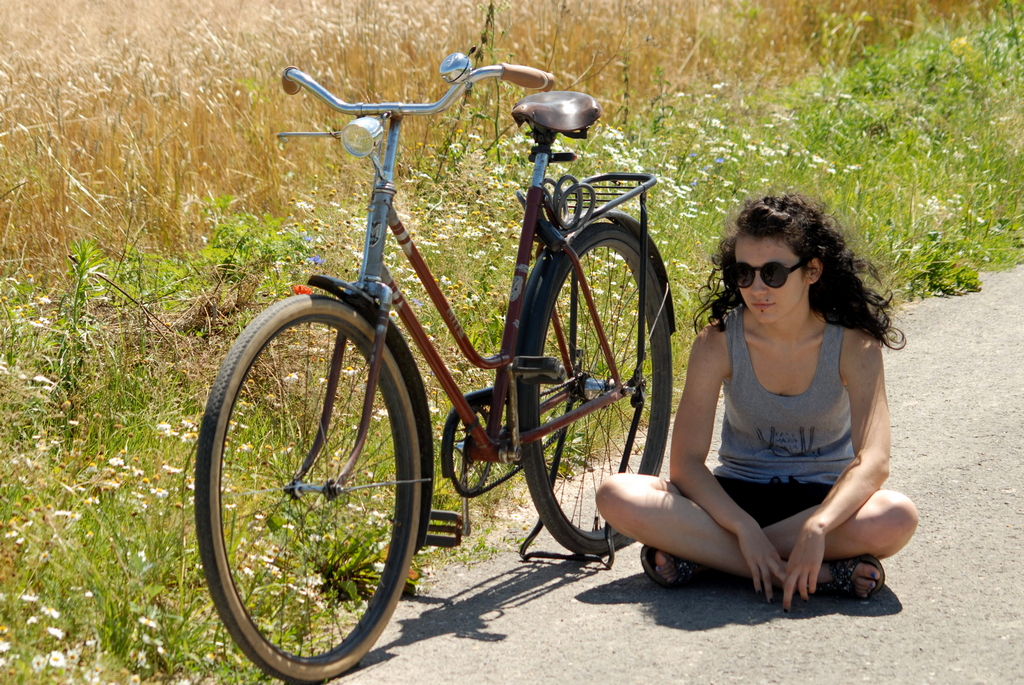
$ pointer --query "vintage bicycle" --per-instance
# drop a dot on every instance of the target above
(315, 463)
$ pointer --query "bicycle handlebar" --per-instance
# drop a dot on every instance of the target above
(527, 77)
(293, 80)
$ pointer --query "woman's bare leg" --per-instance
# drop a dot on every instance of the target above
(654, 512)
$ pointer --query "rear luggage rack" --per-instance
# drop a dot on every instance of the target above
(576, 203)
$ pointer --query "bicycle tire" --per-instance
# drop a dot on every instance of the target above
(305, 585)
(592, 446)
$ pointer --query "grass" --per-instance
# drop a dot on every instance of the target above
(121, 128)
(148, 158)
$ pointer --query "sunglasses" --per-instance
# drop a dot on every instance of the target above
(773, 274)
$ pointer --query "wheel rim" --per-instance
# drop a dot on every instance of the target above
(582, 455)
(306, 571)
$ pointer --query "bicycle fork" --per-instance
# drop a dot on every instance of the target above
(370, 283)
(335, 486)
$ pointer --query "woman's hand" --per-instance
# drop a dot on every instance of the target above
(804, 563)
(762, 558)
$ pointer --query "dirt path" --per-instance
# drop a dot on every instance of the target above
(951, 613)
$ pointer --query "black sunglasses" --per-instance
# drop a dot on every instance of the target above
(773, 274)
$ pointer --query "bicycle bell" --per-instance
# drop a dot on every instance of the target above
(360, 136)
(456, 67)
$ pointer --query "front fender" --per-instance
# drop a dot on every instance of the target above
(360, 301)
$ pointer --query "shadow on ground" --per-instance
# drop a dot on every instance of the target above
(468, 613)
(710, 602)
(718, 599)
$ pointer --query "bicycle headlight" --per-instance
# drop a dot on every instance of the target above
(360, 136)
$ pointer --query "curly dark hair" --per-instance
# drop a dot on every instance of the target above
(805, 225)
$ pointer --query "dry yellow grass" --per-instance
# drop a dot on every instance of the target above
(119, 120)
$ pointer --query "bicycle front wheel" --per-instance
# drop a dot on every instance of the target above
(305, 581)
(564, 469)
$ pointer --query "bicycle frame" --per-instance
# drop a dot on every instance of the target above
(487, 443)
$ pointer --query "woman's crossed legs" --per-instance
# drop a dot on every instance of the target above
(654, 512)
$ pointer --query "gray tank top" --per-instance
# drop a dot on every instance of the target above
(764, 436)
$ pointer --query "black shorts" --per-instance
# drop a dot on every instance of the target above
(772, 502)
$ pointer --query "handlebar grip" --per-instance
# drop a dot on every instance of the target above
(527, 77)
(289, 86)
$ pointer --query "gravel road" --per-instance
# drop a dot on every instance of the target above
(951, 611)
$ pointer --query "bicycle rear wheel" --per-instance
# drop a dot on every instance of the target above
(305, 584)
(565, 469)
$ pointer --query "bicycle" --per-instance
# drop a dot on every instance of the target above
(315, 460)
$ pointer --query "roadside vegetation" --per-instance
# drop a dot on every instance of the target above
(147, 213)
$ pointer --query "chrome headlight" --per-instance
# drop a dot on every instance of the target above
(360, 136)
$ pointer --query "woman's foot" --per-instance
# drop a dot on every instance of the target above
(667, 570)
(860, 576)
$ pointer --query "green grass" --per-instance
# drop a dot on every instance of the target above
(917, 149)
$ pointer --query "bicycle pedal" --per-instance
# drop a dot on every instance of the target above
(538, 370)
(445, 529)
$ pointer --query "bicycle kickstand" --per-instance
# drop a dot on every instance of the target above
(607, 559)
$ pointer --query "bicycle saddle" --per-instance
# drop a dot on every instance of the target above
(559, 110)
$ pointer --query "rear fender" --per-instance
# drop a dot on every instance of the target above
(548, 258)
(633, 226)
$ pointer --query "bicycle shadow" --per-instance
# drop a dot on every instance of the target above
(468, 613)
(718, 599)
(714, 600)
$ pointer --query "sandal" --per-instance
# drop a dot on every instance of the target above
(842, 576)
(686, 569)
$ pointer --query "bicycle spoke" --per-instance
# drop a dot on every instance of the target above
(305, 555)
(595, 445)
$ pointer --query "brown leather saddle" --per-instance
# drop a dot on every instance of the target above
(562, 111)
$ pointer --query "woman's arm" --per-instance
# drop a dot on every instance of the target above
(861, 367)
(691, 439)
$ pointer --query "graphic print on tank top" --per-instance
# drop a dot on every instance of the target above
(765, 435)
(787, 444)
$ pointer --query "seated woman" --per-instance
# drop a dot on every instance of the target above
(794, 342)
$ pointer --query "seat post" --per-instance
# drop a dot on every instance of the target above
(540, 153)
(543, 139)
